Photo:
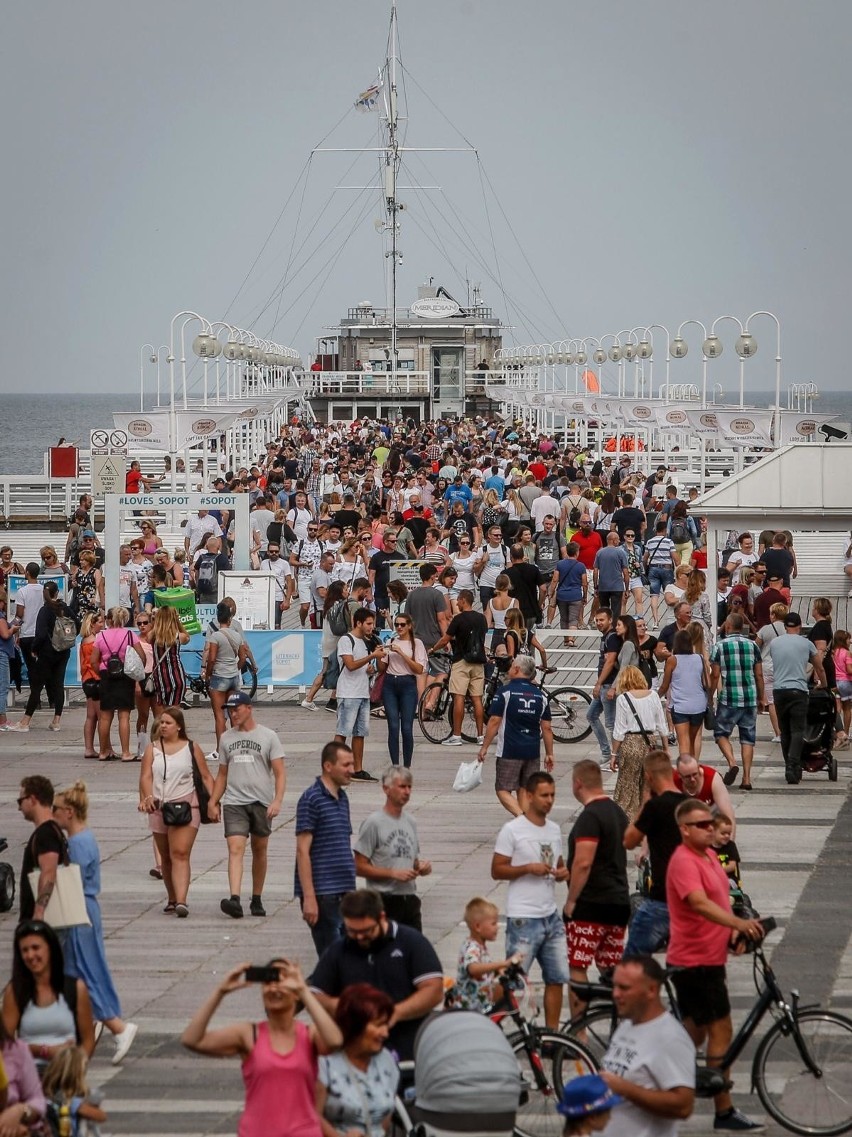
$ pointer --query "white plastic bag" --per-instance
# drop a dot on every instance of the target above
(468, 777)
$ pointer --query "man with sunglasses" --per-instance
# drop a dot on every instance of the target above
(703, 928)
(304, 559)
(45, 848)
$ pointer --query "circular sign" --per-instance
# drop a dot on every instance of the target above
(742, 426)
(204, 426)
(708, 420)
(435, 308)
(100, 438)
(640, 412)
(677, 418)
(805, 426)
(248, 413)
(118, 438)
(139, 427)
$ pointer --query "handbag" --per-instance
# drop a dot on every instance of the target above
(175, 812)
(710, 715)
(377, 687)
(134, 666)
(645, 736)
(147, 685)
(201, 791)
(67, 905)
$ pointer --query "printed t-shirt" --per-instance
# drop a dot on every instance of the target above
(530, 897)
(248, 756)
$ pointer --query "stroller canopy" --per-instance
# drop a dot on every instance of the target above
(461, 1061)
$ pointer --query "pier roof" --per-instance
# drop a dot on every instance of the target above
(805, 483)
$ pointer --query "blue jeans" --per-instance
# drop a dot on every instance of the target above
(542, 939)
(399, 695)
(4, 681)
(329, 926)
(659, 578)
(601, 705)
(649, 929)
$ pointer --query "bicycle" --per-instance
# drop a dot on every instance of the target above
(567, 708)
(542, 1054)
(802, 1067)
(199, 686)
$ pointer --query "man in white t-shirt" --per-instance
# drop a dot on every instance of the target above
(650, 1062)
(544, 506)
(528, 854)
(742, 558)
(353, 686)
(198, 529)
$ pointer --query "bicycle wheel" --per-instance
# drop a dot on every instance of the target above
(436, 725)
(594, 1028)
(468, 727)
(249, 682)
(554, 1061)
(799, 1099)
(568, 706)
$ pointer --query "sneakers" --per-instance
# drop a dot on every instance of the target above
(453, 740)
(308, 706)
(232, 907)
(672, 739)
(16, 726)
(181, 911)
(735, 1122)
(331, 705)
(123, 1042)
(363, 776)
(480, 738)
(256, 907)
(775, 738)
(213, 756)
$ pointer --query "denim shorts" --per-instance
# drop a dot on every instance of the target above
(353, 718)
(224, 682)
(844, 689)
(659, 579)
(695, 719)
(542, 939)
(743, 717)
(649, 929)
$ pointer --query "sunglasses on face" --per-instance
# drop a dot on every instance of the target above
(402, 624)
(707, 823)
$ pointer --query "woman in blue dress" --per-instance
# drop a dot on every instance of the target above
(83, 946)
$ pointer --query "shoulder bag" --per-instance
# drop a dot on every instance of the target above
(175, 812)
(645, 736)
(67, 905)
(710, 711)
(200, 789)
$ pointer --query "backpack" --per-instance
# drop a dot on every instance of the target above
(115, 664)
(574, 518)
(475, 651)
(337, 622)
(64, 634)
(679, 531)
(207, 574)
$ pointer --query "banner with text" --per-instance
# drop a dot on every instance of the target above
(797, 427)
(152, 429)
(744, 427)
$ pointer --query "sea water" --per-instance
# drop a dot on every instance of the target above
(32, 423)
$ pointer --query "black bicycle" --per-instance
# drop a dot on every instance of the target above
(199, 686)
(567, 705)
(802, 1067)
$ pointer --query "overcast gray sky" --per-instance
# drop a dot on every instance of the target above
(656, 162)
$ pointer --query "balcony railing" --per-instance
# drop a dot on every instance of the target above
(404, 384)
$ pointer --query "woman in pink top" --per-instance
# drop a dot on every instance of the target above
(279, 1056)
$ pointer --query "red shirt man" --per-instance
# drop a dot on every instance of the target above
(589, 541)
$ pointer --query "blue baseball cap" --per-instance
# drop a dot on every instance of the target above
(588, 1094)
(238, 699)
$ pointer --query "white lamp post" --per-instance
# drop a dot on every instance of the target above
(713, 345)
(747, 346)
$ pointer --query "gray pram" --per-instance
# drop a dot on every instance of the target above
(467, 1080)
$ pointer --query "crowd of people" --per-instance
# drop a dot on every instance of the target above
(510, 532)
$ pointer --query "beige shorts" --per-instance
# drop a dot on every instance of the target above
(467, 678)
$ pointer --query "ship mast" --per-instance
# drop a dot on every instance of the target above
(391, 171)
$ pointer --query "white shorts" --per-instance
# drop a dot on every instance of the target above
(305, 596)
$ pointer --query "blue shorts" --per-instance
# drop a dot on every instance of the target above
(353, 718)
(224, 683)
(541, 939)
(743, 717)
(696, 719)
(649, 929)
(659, 579)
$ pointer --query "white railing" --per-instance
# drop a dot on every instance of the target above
(326, 384)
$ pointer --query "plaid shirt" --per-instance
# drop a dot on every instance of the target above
(737, 656)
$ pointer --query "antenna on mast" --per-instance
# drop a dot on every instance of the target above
(392, 161)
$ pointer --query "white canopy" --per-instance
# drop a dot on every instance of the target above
(804, 486)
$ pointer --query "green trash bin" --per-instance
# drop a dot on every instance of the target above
(183, 600)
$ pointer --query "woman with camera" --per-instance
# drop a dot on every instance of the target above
(279, 1056)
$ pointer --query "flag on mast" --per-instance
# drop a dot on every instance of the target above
(369, 100)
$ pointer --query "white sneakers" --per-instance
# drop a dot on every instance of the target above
(308, 706)
(123, 1042)
(453, 740)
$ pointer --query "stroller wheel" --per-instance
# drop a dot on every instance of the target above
(832, 769)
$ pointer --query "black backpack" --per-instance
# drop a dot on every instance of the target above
(7, 887)
(475, 650)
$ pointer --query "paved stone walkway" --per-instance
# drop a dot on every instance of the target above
(790, 838)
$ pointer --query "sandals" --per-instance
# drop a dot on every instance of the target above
(170, 908)
(155, 873)
(109, 758)
(95, 756)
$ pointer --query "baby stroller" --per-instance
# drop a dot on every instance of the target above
(467, 1080)
(819, 733)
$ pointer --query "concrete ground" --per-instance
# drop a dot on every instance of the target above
(789, 837)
